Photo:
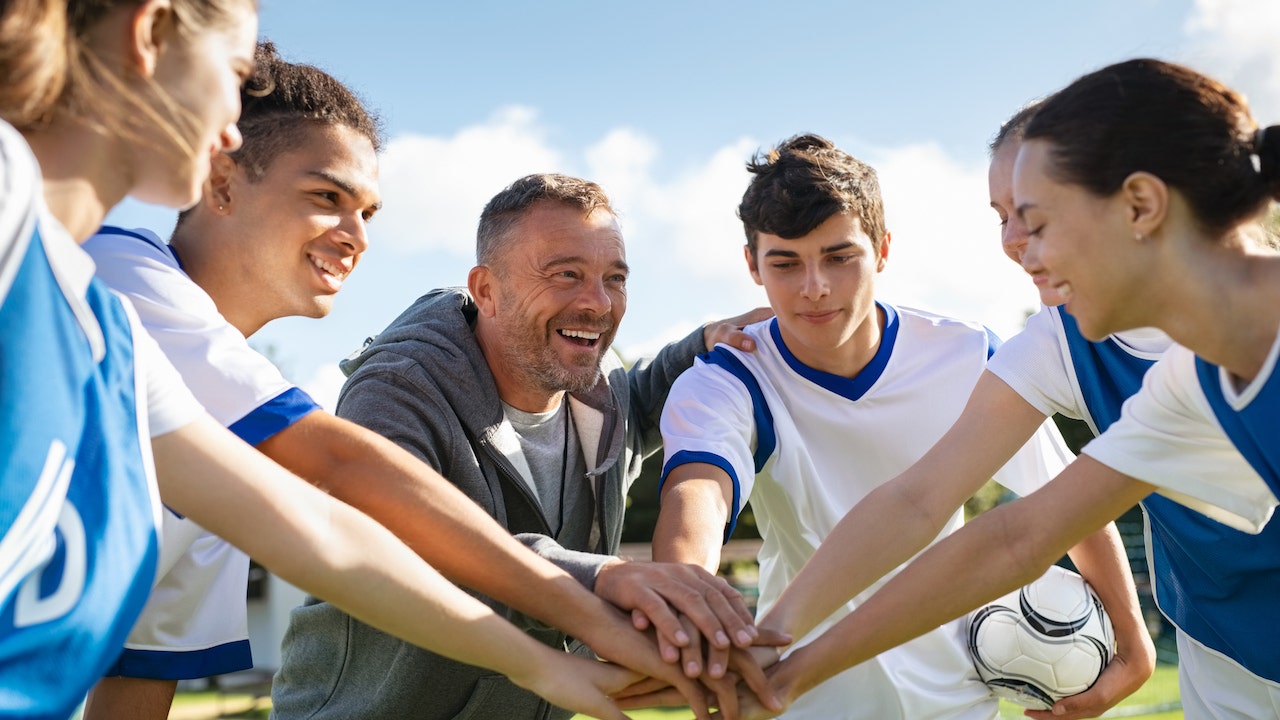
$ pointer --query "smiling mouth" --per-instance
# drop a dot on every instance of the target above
(329, 268)
(582, 338)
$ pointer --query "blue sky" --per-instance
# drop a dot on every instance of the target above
(662, 103)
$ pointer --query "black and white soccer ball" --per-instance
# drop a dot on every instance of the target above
(1044, 642)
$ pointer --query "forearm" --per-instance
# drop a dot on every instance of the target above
(1101, 560)
(329, 549)
(691, 523)
(1016, 541)
(901, 517)
(435, 519)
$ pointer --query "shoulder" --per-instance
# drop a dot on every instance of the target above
(943, 332)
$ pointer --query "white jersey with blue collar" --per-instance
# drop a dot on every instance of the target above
(195, 623)
(81, 389)
(1217, 585)
(806, 446)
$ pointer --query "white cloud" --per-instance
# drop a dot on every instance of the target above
(945, 254)
(684, 241)
(1236, 42)
(434, 188)
(324, 385)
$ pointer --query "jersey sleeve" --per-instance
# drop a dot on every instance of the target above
(1032, 363)
(709, 418)
(170, 405)
(239, 387)
(1167, 436)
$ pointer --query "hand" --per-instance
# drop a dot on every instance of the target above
(1126, 672)
(729, 330)
(656, 592)
(746, 667)
(578, 684)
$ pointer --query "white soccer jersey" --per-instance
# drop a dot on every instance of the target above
(1037, 364)
(1169, 436)
(806, 446)
(194, 624)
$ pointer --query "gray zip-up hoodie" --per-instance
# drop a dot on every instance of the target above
(424, 384)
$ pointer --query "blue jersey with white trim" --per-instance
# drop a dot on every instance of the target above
(1217, 584)
(77, 503)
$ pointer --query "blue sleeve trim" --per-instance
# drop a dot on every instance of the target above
(766, 437)
(993, 341)
(273, 416)
(684, 457)
(174, 665)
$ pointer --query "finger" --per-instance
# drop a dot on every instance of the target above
(643, 687)
(659, 614)
(766, 637)
(753, 677)
(731, 610)
(739, 340)
(691, 654)
(639, 620)
(726, 692)
(666, 697)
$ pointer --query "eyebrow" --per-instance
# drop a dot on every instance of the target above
(779, 252)
(342, 185)
(1023, 208)
(574, 259)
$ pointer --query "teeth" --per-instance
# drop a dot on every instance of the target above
(1064, 290)
(582, 334)
(335, 270)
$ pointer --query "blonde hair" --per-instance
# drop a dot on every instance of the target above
(67, 77)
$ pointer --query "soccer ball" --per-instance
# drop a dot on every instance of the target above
(1044, 642)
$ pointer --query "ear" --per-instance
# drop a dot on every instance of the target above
(219, 189)
(481, 283)
(150, 27)
(882, 257)
(1146, 202)
(751, 264)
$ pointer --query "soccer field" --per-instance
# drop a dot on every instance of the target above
(1151, 702)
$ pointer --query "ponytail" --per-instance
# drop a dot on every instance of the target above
(33, 59)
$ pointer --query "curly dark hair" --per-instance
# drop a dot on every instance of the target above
(283, 96)
(802, 183)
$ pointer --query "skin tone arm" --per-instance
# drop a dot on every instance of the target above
(335, 552)
(899, 518)
(1017, 542)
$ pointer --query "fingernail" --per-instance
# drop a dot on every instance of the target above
(692, 669)
(717, 670)
(721, 639)
(744, 637)
(670, 654)
(682, 638)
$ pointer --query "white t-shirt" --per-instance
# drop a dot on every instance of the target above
(1169, 436)
(195, 623)
(806, 446)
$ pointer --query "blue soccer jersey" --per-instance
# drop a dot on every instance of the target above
(1215, 583)
(77, 503)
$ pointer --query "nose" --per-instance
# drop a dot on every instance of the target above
(353, 234)
(1013, 238)
(1029, 256)
(594, 296)
(815, 285)
(231, 138)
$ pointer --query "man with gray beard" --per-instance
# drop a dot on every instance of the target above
(508, 388)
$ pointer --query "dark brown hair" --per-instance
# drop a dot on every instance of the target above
(802, 183)
(1189, 130)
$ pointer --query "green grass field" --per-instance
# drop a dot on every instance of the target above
(1161, 691)
(1149, 703)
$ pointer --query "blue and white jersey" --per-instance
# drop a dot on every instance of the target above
(195, 623)
(78, 500)
(806, 446)
(1216, 584)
